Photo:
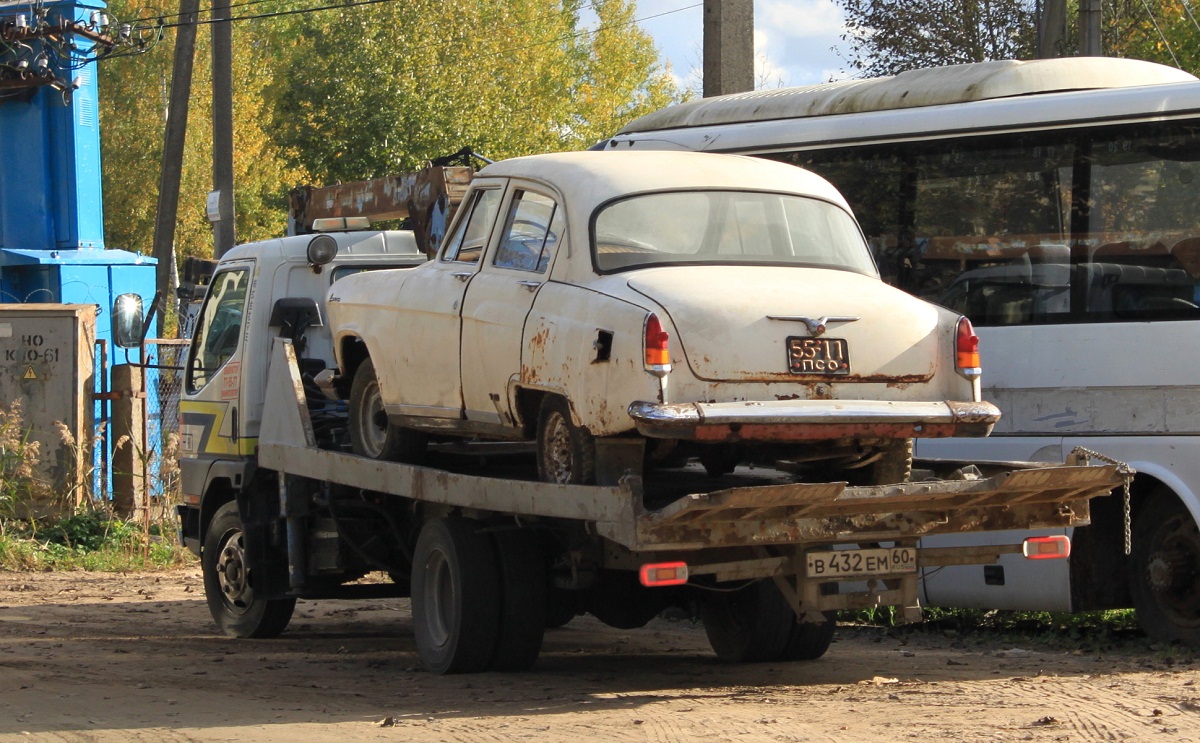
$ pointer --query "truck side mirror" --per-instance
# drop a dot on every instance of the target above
(127, 321)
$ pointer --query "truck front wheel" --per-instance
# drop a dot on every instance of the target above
(371, 435)
(227, 582)
(1165, 570)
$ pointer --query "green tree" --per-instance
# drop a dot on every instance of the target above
(890, 36)
(382, 88)
(133, 99)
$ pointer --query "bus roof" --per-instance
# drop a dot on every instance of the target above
(915, 88)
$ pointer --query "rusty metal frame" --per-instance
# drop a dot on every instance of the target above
(791, 514)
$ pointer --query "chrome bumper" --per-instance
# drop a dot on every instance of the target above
(807, 420)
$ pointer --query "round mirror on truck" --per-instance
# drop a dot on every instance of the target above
(127, 321)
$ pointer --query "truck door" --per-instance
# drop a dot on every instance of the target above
(499, 299)
(209, 411)
(433, 310)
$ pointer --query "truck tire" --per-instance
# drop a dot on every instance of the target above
(1164, 570)
(371, 435)
(753, 625)
(893, 466)
(228, 582)
(566, 452)
(455, 597)
(810, 640)
(523, 583)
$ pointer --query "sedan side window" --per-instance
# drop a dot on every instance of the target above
(530, 233)
(465, 244)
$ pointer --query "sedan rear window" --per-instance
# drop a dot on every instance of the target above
(727, 228)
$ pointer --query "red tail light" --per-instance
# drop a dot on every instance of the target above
(966, 348)
(663, 574)
(1047, 548)
(658, 346)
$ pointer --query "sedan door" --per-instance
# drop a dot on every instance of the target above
(431, 306)
(499, 299)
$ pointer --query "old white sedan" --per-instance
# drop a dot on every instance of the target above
(721, 307)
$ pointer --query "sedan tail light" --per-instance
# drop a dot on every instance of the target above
(966, 349)
(658, 347)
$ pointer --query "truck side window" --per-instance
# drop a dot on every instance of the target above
(219, 327)
(530, 233)
(465, 244)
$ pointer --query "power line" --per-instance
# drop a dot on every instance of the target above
(1187, 8)
(1166, 43)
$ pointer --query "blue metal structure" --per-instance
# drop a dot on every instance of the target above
(51, 206)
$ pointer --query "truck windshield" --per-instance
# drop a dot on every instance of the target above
(727, 228)
(219, 328)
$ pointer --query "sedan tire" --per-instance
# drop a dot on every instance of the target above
(566, 452)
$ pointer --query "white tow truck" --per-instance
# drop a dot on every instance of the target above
(278, 508)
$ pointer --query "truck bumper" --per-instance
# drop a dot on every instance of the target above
(809, 420)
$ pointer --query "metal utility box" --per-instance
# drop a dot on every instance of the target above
(47, 361)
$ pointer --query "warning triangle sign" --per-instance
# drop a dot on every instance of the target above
(29, 373)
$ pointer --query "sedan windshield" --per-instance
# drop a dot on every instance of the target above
(727, 228)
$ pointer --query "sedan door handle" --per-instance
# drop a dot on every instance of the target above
(462, 275)
(530, 285)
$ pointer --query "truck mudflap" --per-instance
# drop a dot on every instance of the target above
(800, 514)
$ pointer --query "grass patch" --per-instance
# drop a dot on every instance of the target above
(1085, 631)
(90, 540)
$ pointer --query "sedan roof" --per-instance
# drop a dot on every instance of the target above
(588, 179)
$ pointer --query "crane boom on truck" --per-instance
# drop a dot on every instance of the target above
(278, 508)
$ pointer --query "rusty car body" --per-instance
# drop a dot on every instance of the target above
(714, 306)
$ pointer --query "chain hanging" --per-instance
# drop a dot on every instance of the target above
(1080, 452)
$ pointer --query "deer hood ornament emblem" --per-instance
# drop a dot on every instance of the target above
(816, 326)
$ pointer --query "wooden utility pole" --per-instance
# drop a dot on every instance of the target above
(222, 73)
(1089, 29)
(1051, 27)
(728, 46)
(171, 170)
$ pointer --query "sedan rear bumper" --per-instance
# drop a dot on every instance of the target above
(808, 420)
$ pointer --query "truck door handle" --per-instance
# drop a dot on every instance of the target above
(462, 275)
(530, 285)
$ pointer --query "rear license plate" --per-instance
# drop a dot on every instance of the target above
(818, 355)
(862, 563)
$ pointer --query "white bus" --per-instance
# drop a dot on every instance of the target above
(1057, 204)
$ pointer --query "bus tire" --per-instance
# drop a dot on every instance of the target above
(455, 597)
(752, 625)
(523, 582)
(1164, 570)
(228, 588)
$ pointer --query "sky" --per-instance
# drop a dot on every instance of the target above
(795, 41)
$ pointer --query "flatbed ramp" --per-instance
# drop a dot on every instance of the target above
(756, 516)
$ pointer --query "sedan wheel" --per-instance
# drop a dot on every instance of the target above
(566, 452)
(371, 435)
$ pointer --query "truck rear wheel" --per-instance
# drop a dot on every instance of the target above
(753, 625)
(371, 434)
(1164, 569)
(228, 583)
(523, 584)
(566, 452)
(455, 597)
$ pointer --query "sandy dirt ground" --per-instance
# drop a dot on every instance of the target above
(101, 657)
